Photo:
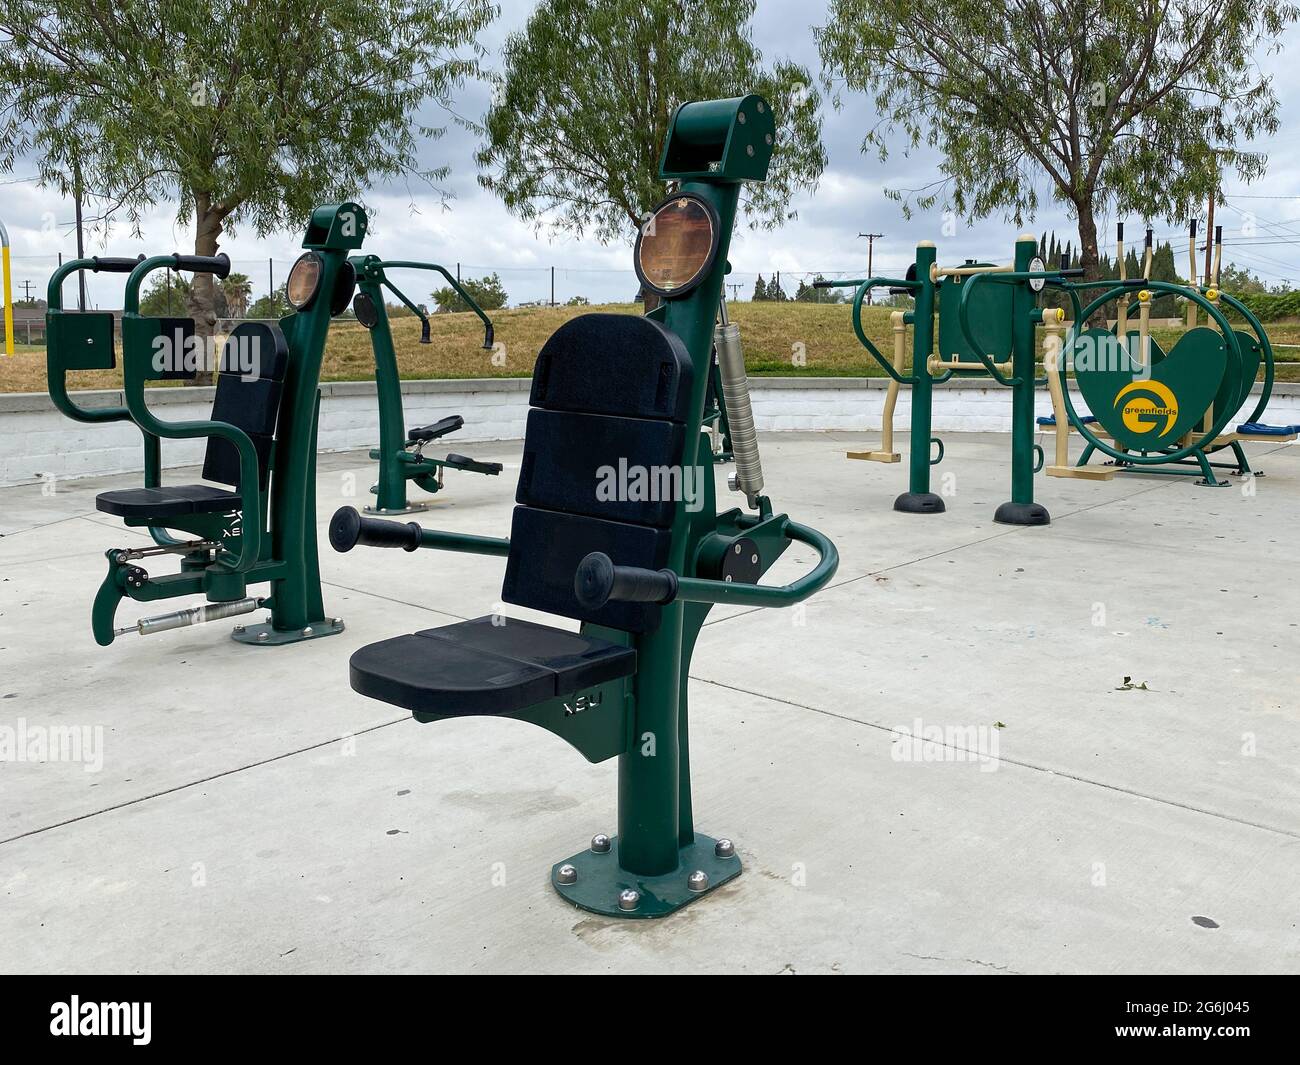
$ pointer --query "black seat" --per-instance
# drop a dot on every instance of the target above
(249, 383)
(610, 393)
(490, 665)
(172, 500)
(425, 433)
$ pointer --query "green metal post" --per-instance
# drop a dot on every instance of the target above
(295, 605)
(1021, 509)
(919, 499)
(649, 776)
(390, 489)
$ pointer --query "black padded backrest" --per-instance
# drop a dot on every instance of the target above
(602, 466)
(249, 382)
(618, 364)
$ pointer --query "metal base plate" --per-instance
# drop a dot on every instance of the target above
(411, 508)
(601, 881)
(266, 635)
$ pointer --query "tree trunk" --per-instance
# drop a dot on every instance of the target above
(202, 302)
(1089, 256)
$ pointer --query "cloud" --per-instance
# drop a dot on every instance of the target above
(474, 229)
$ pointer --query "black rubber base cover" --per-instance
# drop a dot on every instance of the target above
(491, 665)
(920, 503)
(1022, 514)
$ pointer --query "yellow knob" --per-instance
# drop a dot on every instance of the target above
(1144, 296)
(1060, 314)
(1211, 294)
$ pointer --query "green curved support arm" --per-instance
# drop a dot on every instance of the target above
(460, 291)
(863, 288)
(57, 385)
(56, 374)
(134, 377)
(700, 590)
(414, 308)
(963, 312)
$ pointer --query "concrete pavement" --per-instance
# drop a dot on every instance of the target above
(252, 813)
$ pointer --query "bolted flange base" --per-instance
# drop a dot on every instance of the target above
(601, 880)
(388, 512)
(264, 635)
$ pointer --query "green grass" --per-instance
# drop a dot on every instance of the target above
(780, 339)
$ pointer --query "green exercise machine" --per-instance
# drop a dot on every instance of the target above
(1154, 411)
(401, 451)
(261, 441)
(617, 527)
(951, 306)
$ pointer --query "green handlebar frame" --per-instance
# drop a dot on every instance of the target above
(404, 264)
(1004, 277)
(57, 384)
(134, 377)
(701, 590)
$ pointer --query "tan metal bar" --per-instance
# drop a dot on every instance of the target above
(937, 365)
(1052, 344)
(938, 271)
(887, 452)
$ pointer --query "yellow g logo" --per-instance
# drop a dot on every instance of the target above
(1146, 406)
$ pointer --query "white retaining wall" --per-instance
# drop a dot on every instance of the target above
(38, 442)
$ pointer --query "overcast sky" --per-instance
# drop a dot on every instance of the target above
(475, 230)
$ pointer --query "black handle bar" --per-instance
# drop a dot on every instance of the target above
(203, 264)
(598, 580)
(348, 529)
(110, 265)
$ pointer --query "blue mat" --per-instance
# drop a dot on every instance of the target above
(1050, 419)
(1260, 429)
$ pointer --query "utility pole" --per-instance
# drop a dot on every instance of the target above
(871, 244)
(735, 287)
(552, 286)
(27, 291)
(81, 244)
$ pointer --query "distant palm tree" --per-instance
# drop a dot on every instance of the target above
(238, 290)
